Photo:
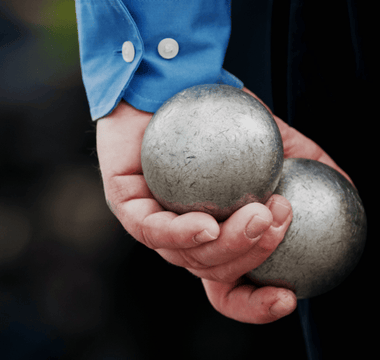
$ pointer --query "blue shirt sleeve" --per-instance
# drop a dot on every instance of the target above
(139, 73)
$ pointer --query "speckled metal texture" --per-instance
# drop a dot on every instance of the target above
(327, 235)
(211, 148)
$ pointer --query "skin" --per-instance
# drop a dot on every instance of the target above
(219, 253)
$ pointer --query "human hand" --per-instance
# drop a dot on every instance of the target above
(221, 254)
(217, 252)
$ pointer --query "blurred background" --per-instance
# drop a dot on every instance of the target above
(73, 283)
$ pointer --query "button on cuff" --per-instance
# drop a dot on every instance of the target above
(168, 48)
(128, 51)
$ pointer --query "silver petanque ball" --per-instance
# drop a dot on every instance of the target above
(211, 148)
(326, 237)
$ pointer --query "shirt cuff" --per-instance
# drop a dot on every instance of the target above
(147, 104)
(142, 76)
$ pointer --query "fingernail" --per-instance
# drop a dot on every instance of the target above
(282, 307)
(204, 236)
(280, 213)
(256, 226)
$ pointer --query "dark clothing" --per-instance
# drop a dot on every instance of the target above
(313, 64)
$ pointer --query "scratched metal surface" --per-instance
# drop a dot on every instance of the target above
(212, 148)
(327, 235)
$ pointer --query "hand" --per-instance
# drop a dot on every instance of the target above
(223, 252)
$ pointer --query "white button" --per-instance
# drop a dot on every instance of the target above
(168, 48)
(128, 51)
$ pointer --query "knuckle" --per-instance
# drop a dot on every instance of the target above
(233, 248)
(224, 274)
(113, 206)
(190, 260)
(167, 240)
(146, 235)
(268, 243)
(237, 246)
(146, 240)
(173, 239)
(114, 193)
(262, 252)
(257, 256)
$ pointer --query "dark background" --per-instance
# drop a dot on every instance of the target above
(73, 284)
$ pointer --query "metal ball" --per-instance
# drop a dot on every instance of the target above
(211, 148)
(326, 237)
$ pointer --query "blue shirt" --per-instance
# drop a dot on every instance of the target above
(200, 28)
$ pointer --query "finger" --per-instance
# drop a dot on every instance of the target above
(231, 271)
(146, 220)
(157, 229)
(297, 145)
(247, 303)
(238, 234)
